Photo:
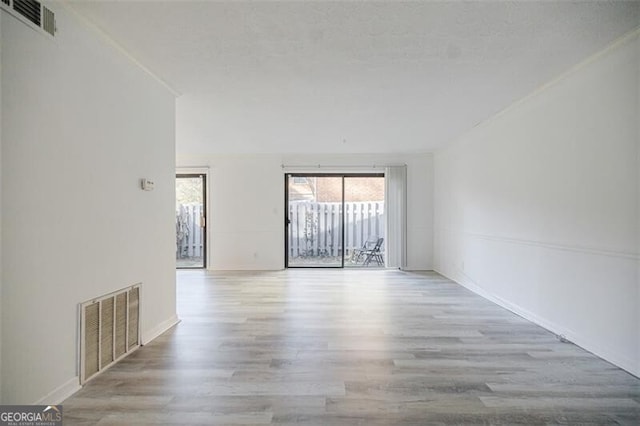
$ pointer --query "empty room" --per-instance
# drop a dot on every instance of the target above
(320, 213)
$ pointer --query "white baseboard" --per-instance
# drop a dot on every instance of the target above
(61, 393)
(64, 391)
(156, 331)
(614, 358)
(244, 268)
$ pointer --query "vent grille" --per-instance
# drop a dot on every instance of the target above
(106, 331)
(121, 325)
(109, 330)
(134, 305)
(48, 21)
(92, 336)
(30, 9)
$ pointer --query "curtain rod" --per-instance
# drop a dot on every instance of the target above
(359, 166)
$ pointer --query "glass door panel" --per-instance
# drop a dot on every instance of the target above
(191, 235)
(364, 221)
(335, 220)
(314, 221)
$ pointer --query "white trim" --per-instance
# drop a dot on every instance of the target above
(156, 331)
(111, 364)
(603, 352)
(556, 246)
(62, 392)
(202, 170)
(338, 166)
(317, 168)
(628, 37)
(244, 268)
(192, 170)
(117, 46)
(71, 386)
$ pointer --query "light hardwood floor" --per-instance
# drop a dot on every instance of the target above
(345, 347)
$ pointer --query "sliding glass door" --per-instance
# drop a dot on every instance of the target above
(191, 230)
(314, 221)
(364, 221)
(334, 220)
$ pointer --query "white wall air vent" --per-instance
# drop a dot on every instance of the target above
(48, 21)
(33, 13)
(30, 9)
(109, 330)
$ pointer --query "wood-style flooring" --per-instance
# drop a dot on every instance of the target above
(345, 347)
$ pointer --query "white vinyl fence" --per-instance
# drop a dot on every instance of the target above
(189, 236)
(316, 228)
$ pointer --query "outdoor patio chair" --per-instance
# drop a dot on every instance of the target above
(358, 255)
(371, 250)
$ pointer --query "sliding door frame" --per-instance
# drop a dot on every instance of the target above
(205, 237)
(287, 220)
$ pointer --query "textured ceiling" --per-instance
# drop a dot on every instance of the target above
(334, 77)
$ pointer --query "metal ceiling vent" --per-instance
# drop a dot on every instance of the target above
(34, 12)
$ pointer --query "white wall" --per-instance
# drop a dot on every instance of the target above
(81, 124)
(0, 211)
(538, 208)
(246, 206)
(638, 197)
